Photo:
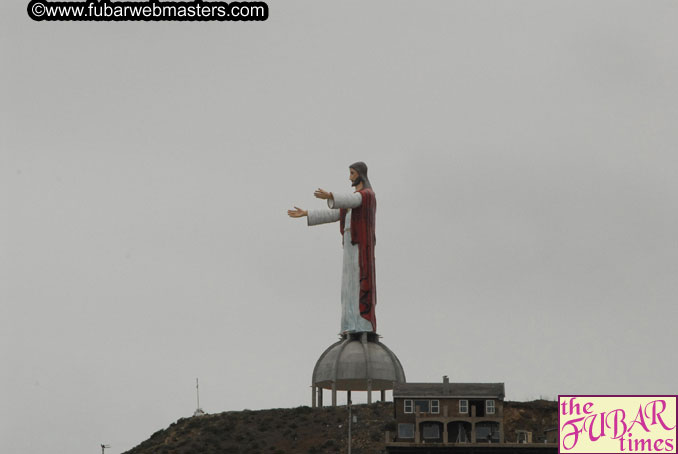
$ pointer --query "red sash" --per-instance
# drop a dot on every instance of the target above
(362, 234)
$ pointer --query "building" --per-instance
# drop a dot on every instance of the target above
(449, 412)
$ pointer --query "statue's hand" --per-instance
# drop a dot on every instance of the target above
(322, 194)
(297, 213)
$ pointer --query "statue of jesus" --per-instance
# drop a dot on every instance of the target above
(355, 212)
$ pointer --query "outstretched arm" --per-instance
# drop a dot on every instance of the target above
(322, 216)
(322, 194)
(297, 213)
(315, 217)
(348, 200)
(345, 200)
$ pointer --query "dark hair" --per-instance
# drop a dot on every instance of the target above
(361, 168)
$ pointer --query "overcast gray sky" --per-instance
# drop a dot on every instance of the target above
(524, 157)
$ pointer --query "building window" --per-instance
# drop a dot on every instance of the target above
(408, 406)
(405, 430)
(431, 431)
(423, 405)
(489, 407)
(487, 432)
(477, 407)
(463, 406)
(435, 406)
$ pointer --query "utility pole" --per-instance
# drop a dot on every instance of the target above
(350, 421)
(197, 391)
(104, 447)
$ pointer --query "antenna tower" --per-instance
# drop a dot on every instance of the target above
(198, 410)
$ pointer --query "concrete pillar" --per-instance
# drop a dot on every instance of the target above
(445, 432)
(313, 396)
(320, 396)
(383, 395)
(334, 393)
(501, 432)
(473, 432)
(369, 391)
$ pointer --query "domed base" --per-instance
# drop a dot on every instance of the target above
(357, 362)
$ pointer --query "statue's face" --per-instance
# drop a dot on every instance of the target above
(354, 177)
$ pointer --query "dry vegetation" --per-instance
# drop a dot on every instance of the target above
(310, 431)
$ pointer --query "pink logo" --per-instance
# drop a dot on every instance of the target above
(617, 424)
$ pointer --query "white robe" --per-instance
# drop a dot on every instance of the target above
(351, 320)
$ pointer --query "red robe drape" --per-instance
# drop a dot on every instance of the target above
(362, 234)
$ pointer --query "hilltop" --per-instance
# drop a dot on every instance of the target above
(308, 430)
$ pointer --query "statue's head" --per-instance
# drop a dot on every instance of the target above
(360, 175)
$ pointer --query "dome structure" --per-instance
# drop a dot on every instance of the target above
(357, 362)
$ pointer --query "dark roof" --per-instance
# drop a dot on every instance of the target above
(449, 390)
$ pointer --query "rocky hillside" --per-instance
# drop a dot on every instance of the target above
(307, 431)
(535, 416)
